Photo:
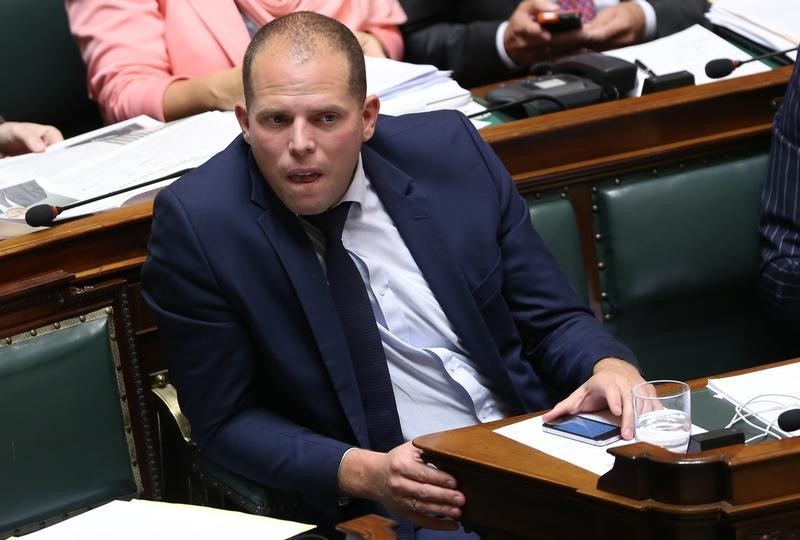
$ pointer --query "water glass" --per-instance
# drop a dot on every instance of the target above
(662, 414)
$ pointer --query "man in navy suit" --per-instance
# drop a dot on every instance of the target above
(475, 319)
(780, 219)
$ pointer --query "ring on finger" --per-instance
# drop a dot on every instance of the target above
(414, 505)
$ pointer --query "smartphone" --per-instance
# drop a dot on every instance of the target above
(583, 429)
(559, 21)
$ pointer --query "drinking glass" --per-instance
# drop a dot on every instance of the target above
(662, 414)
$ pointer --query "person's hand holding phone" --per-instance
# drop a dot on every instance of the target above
(527, 42)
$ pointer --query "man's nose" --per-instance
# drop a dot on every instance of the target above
(302, 141)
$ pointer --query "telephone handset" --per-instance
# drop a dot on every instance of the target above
(573, 81)
(614, 74)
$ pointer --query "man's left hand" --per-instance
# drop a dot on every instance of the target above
(616, 26)
(609, 386)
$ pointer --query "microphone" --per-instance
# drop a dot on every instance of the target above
(43, 215)
(789, 420)
(721, 67)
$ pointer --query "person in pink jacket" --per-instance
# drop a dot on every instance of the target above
(173, 58)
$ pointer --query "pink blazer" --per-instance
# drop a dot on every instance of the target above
(133, 49)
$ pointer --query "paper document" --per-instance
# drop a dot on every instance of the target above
(409, 88)
(586, 456)
(106, 160)
(137, 519)
(688, 50)
(772, 23)
(765, 393)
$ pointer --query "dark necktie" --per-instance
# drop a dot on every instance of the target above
(361, 331)
(586, 7)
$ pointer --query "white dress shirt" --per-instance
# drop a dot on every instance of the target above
(437, 386)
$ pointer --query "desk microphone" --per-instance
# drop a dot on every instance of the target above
(721, 67)
(789, 420)
(43, 215)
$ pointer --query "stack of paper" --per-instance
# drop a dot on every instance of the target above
(765, 393)
(137, 519)
(772, 23)
(688, 50)
(408, 88)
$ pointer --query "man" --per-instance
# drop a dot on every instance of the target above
(475, 321)
(484, 42)
(779, 283)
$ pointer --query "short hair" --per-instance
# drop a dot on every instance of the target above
(306, 32)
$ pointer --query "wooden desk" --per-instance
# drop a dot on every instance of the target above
(516, 491)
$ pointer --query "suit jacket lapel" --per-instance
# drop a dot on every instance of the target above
(412, 217)
(224, 15)
(291, 243)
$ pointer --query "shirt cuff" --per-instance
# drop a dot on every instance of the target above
(649, 19)
(501, 48)
(344, 500)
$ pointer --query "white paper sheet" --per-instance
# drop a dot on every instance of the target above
(688, 50)
(772, 23)
(768, 392)
(586, 456)
(137, 519)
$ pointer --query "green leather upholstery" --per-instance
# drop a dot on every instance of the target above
(554, 220)
(680, 256)
(63, 440)
(44, 79)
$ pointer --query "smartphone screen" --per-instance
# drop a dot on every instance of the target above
(557, 21)
(584, 429)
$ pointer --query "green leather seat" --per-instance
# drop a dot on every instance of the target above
(67, 438)
(554, 220)
(44, 78)
(680, 259)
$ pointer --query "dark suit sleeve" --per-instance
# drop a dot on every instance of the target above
(433, 36)
(211, 360)
(676, 15)
(560, 335)
(780, 218)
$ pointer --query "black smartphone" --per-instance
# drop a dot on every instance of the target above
(583, 429)
(559, 21)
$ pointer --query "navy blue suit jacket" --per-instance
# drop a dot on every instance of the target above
(255, 346)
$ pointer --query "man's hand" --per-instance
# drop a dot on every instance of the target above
(404, 484)
(371, 45)
(23, 137)
(609, 386)
(527, 42)
(616, 26)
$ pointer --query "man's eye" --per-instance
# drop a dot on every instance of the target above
(278, 119)
(328, 118)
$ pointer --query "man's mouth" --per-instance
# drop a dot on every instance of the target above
(304, 176)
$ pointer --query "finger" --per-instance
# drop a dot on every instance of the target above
(570, 405)
(434, 508)
(32, 142)
(52, 136)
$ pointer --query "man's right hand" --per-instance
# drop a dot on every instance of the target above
(404, 484)
(527, 42)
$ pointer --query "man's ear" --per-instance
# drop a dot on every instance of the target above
(244, 121)
(369, 116)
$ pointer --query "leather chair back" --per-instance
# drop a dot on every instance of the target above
(73, 426)
(44, 78)
(680, 259)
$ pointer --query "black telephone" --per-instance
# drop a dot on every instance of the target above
(573, 81)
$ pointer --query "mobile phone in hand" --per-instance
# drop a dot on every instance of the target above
(559, 21)
(583, 429)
